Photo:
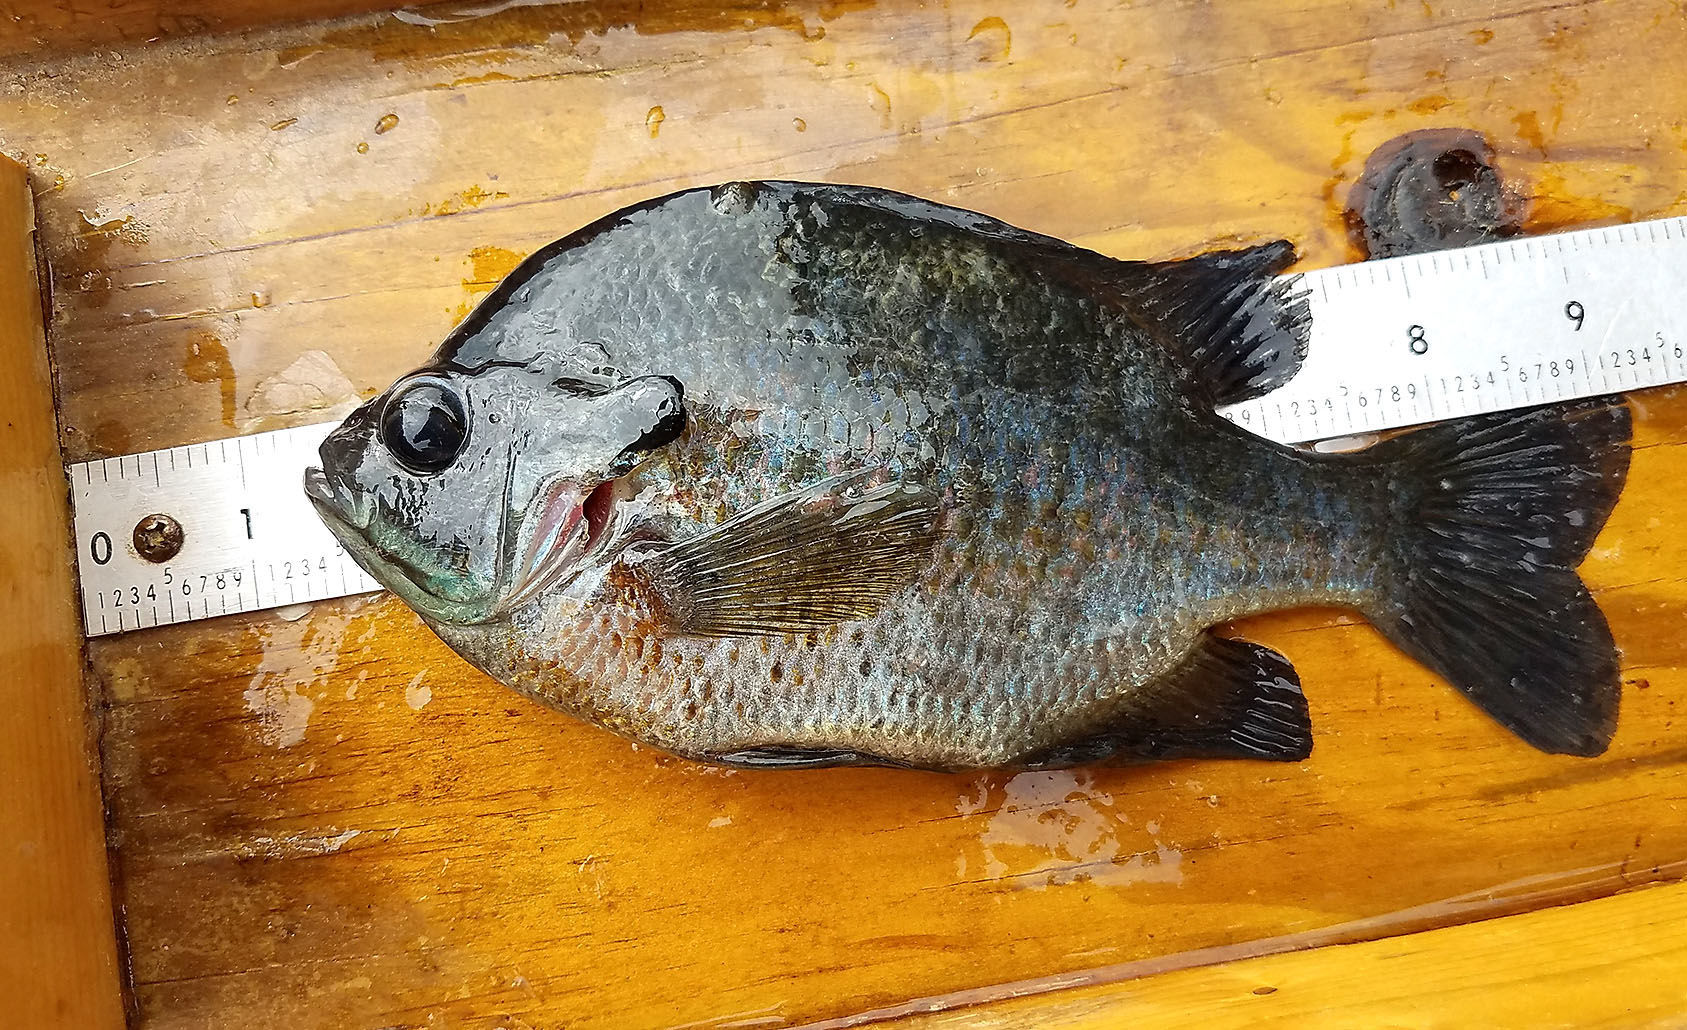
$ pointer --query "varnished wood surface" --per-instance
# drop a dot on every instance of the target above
(332, 822)
(1614, 962)
(58, 933)
(61, 27)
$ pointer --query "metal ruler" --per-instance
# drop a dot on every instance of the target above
(1416, 339)
(248, 536)
(1394, 343)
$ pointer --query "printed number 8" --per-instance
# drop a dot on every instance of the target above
(1416, 341)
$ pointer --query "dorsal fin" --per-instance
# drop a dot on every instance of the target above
(1239, 329)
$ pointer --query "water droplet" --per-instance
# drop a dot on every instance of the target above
(799, 124)
(653, 120)
(362, 147)
(879, 101)
(417, 694)
(996, 36)
(282, 124)
(386, 124)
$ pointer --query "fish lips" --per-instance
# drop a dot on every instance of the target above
(334, 500)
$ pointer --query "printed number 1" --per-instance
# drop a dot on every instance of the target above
(248, 513)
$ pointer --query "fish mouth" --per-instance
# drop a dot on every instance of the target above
(348, 516)
(573, 526)
(333, 500)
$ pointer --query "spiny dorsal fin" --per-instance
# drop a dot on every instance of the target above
(1226, 699)
(826, 554)
(1239, 330)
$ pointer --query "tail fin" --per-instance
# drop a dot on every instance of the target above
(1494, 514)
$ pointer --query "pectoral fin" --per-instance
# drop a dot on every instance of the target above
(827, 554)
(1226, 699)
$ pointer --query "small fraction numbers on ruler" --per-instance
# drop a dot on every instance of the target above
(1404, 341)
(248, 538)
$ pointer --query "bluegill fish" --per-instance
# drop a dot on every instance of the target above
(781, 474)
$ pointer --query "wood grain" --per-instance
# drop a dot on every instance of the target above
(56, 27)
(1614, 962)
(58, 935)
(332, 822)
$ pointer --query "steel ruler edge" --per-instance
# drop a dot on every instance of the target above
(1394, 342)
(250, 538)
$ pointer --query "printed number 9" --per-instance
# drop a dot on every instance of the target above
(1575, 313)
(1415, 340)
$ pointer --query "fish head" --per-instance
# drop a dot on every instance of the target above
(469, 491)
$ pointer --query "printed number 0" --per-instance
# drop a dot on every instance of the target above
(1415, 340)
(94, 548)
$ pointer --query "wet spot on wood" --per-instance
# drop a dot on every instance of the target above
(994, 37)
(492, 264)
(446, 30)
(1552, 205)
(488, 265)
(111, 436)
(97, 237)
(312, 385)
(879, 101)
(207, 362)
(472, 197)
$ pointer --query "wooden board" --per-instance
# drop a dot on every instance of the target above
(58, 932)
(61, 27)
(1618, 961)
(332, 822)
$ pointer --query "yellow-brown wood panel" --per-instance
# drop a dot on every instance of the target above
(58, 27)
(58, 932)
(1612, 962)
(333, 822)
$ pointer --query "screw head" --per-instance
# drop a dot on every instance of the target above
(158, 538)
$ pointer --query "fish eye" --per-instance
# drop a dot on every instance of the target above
(424, 425)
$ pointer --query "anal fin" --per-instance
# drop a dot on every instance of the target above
(1226, 699)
